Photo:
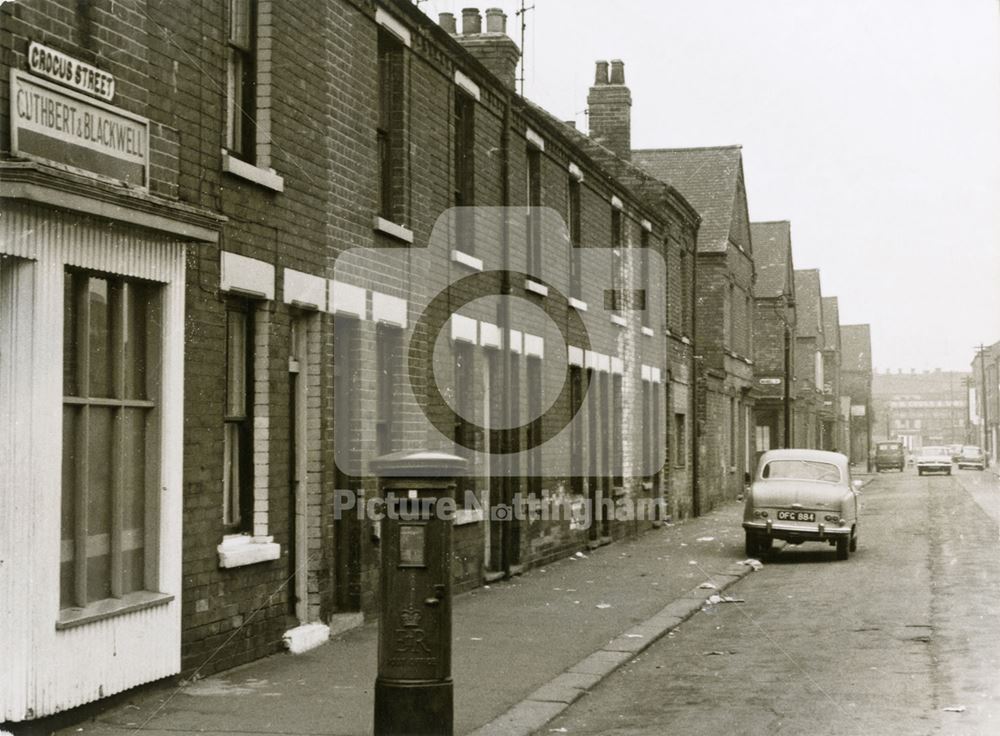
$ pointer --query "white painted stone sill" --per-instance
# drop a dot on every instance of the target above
(617, 319)
(267, 178)
(100, 610)
(647, 331)
(577, 304)
(459, 256)
(468, 516)
(536, 288)
(390, 228)
(241, 549)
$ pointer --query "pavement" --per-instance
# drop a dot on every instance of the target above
(523, 650)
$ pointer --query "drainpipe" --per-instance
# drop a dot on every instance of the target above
(507, 356)
(696, 385)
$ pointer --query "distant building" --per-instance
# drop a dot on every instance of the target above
(927, 408)
(856, 385)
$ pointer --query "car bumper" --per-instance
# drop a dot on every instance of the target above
(934, 467)
(973, 464)
(797, 532)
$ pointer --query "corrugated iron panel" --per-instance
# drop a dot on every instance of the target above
(45, 670)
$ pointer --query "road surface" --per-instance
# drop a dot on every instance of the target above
(903, 638)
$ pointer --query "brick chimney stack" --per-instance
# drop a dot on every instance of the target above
(609, 109)
(493, 48)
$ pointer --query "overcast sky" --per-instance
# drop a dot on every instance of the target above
(872, 125)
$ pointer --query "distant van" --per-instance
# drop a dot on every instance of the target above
(889, 455)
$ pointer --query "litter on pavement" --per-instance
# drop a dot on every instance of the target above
(751, 562)
(715, 599)
(954, 709)
(708, 586)
(705, 539)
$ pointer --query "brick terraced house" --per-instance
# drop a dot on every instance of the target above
(223, 232)
(833, 413)
(774, 335)
(712, 180)
(809, 342)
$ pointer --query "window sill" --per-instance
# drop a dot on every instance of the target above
(577, 304)
(129, 603)
(617, 319)
(458, 256)
(468, 516)
(390, 228)
(647, 331)
(267, 178)
(536, 288)
(242, 549)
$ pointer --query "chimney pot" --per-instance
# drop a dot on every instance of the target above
(447, 22)
(601, 75)
(472, 21)
(496, 20)
(617, 71)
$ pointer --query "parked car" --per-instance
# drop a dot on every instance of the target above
(802, 496)
(972, 457)
(889, 456)
(934, 459)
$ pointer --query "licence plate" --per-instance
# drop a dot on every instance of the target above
(796, 516)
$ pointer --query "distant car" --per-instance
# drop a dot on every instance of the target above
(934, 459)
(802, 496)
(956, 452)
(889, 456)
(972, 457)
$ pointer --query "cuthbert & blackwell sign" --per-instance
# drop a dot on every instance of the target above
(66, 128)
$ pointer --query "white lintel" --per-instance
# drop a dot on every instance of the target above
(534, 346)
(463, 81)
(394, 27)
(346, 299)
(388, 309)
(304, 289)
(247, 276)
(534, 139)
(463, 329)
(489, 335)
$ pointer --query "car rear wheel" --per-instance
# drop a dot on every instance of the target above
(843, 548)
(854, 540)
(920, 471)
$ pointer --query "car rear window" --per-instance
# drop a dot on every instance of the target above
(889, 446)
(801, 470)
(935, 451)
(970, 450)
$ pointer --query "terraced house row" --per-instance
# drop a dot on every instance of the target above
(245, 245)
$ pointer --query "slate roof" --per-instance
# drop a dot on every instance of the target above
(772, 253)
(831, 323)
(808, 304)
(707, 178)
(616, 167)
(856, 348)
